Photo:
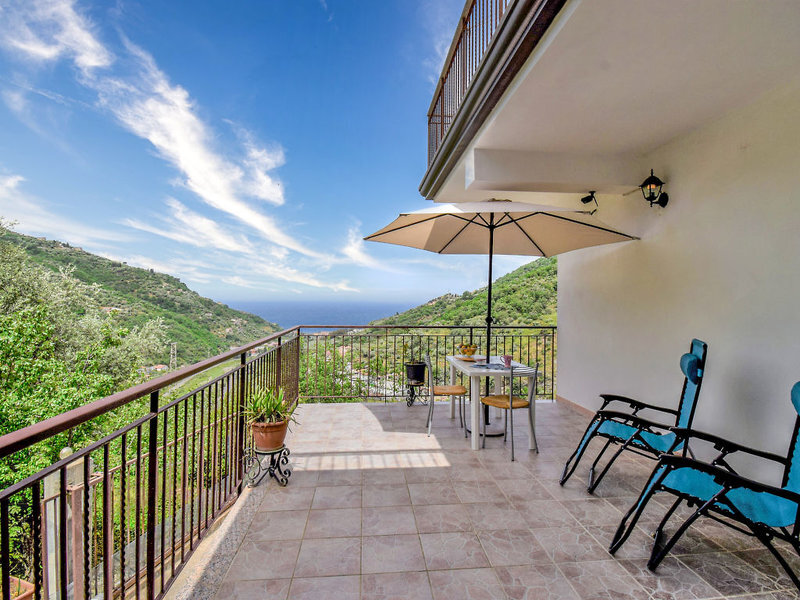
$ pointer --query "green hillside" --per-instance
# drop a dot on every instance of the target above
(526, 296)
(200, 326)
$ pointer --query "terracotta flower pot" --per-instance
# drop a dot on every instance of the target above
(269, 436)
(21, 589)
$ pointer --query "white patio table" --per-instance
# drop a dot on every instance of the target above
(475, 372)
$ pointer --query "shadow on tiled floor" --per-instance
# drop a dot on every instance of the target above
(376, 509)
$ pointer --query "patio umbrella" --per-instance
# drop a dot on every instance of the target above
(497, 227)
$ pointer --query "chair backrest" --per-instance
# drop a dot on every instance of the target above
(693, 365)
(523, 372)
(791, 475)
(429, 376)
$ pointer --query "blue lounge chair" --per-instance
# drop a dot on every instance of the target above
(748, 506)
(635, 434)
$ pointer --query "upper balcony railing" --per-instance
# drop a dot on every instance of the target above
(120, 517)
(479, 22)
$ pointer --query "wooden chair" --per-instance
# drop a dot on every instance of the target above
(442, 390)
(509, 402)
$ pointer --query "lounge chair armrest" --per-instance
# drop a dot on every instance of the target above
(727, 478)
(635, 404)
(631, 419)
(723, 445)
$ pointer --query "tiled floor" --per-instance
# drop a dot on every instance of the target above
(375, 509)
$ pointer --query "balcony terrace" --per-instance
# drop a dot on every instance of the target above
(375, 509)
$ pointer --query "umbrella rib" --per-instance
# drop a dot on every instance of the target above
(458, 233)
(369, 237)
(606, 229)
(514, 221)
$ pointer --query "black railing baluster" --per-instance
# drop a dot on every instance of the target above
(62, 532)
(122, 507)
(152, 466)
(36, 526)
(137, 517)
(108, 533)
(5, 550)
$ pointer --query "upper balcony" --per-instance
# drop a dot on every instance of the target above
(492, 40)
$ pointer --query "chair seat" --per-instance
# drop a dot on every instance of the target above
(449, 390)
(501, 401)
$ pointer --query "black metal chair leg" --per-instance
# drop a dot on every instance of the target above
(432, 401)
(597, 460)
(658, 554)
(483, 418)
(511, 410)
(593, 483)
(623, 532)
(658, 534)
(464, 400)
(764, 539)
(532, 421)
(579, 452)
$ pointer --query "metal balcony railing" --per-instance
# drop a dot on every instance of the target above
(120, 517)
(479, 22)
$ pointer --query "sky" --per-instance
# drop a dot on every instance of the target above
(245, 147)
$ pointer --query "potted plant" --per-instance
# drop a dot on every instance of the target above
(269, 415)
(21, 589)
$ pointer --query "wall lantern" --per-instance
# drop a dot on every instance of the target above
(590, 198)
(651, 190)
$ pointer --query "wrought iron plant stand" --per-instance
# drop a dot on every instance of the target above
(256, 469)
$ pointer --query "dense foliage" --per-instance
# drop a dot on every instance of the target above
(200, 326)
(526, 296)
(58, 351)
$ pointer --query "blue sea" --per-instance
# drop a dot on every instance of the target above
(288, 314)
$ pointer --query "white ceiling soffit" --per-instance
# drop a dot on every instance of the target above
(616, 80)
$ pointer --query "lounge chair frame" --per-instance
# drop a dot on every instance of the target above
(640, 428)
(717, 505)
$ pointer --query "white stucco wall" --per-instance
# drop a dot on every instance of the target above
(721, 262)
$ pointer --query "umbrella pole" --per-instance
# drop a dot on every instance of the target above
(489, 311)
(489, 291)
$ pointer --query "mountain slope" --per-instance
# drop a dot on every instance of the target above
(526, 296)
(201, 327)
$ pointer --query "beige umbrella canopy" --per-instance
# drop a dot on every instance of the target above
(509, 227)
(497, 227)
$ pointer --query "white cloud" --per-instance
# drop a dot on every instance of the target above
(356, 253)
(49, 29)
(142, 99)
(140, 96)
(33, 218)
(439, 19)
(188, 227)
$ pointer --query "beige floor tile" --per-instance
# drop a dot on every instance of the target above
(509, 547)
(605, 580)
(324, 588)
(535, 582)
(260, 589)
(330, 556)
(340, 496)
(278, 525)
(433, 493)
(388, 520)
(466, 584)
(385, 495)
(457, 550)
(333, 522)
(396, 586)
(391, 554)
(264, 560)
(439, 518)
